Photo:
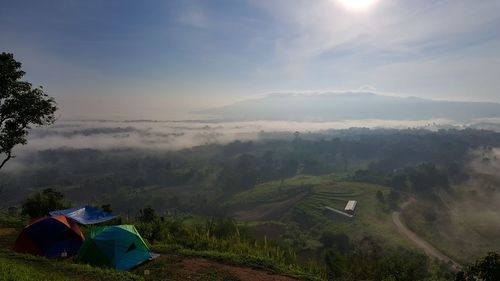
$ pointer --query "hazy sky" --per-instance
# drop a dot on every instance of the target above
(155, 59)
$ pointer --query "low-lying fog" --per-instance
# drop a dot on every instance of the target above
(172, 135)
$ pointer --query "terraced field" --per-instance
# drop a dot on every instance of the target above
(303, 198)
(329, 199)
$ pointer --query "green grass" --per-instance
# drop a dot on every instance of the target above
(15, 266)
(264, 256)
(277, 191)
(12, 222)
(254, 260)
(269, 192)
(15, 271)
(332, 191)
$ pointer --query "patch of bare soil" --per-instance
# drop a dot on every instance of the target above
(193, 266)
(8, 231)
(7, 237)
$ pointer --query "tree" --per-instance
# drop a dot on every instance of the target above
(380, 197)
(338, 241)
(402, 265)
(43, 202)
(21, 107)
(486, 269)
(147, 215)
(336, 264)
(106, 208)
(224, 228)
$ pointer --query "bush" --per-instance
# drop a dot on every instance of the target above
(43, 202)
(486, 269)
(147, 215)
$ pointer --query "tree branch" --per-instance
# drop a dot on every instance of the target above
(9, 156)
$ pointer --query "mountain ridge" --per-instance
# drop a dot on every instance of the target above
(339, 106)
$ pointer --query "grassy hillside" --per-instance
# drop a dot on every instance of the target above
(25, 267)
(463, 224)
(301, 201)
(291, 212)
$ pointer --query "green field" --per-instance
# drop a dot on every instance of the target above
(301, 201)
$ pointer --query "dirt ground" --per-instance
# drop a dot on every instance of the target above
(193, 266)
(8, 232)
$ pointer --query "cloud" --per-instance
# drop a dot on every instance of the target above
(392, 26)
(331, 46)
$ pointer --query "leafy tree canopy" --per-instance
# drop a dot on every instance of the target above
(485, 269)
(147, 215)
(21, 106)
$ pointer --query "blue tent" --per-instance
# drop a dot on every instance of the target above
(84, 215)
(52, 237)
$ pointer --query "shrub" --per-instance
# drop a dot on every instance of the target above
(43, 202)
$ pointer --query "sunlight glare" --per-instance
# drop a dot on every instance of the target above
(357, 4)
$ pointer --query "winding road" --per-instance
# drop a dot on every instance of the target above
(417, 240)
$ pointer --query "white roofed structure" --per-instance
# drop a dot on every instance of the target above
(350, 206)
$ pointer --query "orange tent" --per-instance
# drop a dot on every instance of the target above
(51, 237)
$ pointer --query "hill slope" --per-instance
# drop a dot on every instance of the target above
(272, 207)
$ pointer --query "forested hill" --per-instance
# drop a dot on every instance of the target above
(212, 170)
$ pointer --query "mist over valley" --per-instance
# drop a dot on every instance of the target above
(250, 140)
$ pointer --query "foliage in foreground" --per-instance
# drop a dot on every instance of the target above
(12, 221)
(485, 269)
(20, 267)
(368, 259)
(222, 239)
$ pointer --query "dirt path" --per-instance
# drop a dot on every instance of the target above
(417, 240)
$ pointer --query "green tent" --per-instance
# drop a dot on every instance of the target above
(120, 247)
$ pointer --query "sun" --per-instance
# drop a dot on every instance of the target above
(357, 4)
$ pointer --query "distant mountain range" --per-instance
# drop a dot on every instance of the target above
(351, 106)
